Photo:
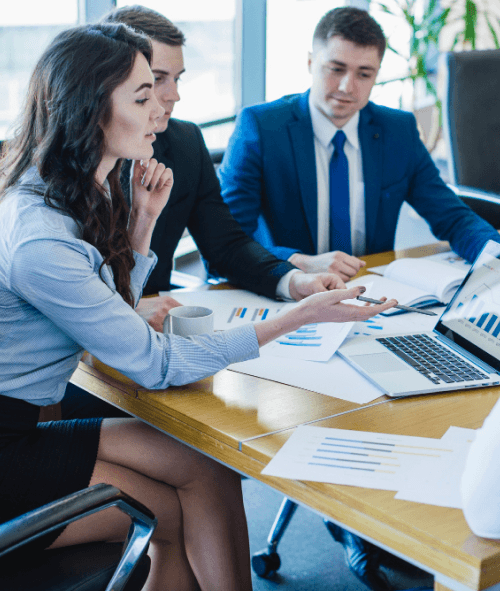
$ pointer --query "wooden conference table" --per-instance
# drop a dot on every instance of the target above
(242, 421)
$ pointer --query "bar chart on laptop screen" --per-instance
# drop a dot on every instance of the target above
(476, 312)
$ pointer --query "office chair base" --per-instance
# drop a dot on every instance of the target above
(265, 563)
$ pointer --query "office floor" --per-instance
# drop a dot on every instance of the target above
(310, 559)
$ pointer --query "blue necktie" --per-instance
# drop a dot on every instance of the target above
(340, 222)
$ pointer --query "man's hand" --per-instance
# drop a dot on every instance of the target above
(303, 285)
(154, 310)
(344, 265)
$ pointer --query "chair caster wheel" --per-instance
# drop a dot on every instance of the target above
(265, 564)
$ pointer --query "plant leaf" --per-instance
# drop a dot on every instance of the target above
(493, 32)
(470, 18)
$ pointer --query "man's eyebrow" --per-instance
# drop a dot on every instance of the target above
(165, 72)
(144, 85)
(337, 63)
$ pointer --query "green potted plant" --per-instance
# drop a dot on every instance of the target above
(427, 25)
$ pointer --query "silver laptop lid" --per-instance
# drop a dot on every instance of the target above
(472, 318)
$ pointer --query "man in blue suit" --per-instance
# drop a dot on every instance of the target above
(321, 205)
(319, 179)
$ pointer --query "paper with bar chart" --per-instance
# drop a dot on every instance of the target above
(475, 313)
(401, 324)
(311, 342)
(232, 307)
(235, 307)
(356, 458)
(439, 484)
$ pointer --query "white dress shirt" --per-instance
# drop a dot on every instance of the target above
(324, 130)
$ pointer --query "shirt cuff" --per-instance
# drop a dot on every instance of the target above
(283, 287)
(242, 343)
(139, 275)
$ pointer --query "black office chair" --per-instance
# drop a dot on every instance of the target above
(84, 567)
(471, 119)
(485, 204)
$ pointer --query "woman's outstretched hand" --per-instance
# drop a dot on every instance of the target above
(320, 307)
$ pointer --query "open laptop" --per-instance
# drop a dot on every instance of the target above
(463, 350)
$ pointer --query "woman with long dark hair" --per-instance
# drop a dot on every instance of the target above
(73, 260)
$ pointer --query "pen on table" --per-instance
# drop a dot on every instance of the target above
(399, 306)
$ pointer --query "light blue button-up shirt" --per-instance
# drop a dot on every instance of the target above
(54, 305)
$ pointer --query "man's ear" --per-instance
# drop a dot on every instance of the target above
(309, 61)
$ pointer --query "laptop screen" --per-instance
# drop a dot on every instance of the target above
(472, 318)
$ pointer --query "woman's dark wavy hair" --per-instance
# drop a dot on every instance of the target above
(68, 100)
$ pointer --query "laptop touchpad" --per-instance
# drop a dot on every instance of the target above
(379, 362)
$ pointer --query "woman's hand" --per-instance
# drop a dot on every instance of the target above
(320, 307)
(328, 306)
(151, 187)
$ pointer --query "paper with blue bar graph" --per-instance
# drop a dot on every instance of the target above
(235, 307)
(358, 458)
(232, 307)
(311, 342)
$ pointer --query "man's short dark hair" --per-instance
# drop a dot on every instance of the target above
(352, 24)
(148, 21)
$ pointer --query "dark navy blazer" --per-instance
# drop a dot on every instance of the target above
(195, 203)
(268, 178)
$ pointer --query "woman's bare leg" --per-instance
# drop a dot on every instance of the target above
(212, 515)
(170, 568)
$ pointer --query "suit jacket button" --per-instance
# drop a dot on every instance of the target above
(376, 136)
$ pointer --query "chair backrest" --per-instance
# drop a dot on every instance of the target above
(471, 118)
(216, 156)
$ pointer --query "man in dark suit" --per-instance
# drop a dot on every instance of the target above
(195, 202)
(321, 205)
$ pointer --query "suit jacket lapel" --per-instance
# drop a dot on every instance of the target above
(163, 153)
(162, 150)
(371, 141)
(302, 139)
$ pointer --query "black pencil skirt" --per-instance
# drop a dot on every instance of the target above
(42, 462)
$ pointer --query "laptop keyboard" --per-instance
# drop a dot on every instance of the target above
(433, 361)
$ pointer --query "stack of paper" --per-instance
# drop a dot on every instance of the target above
(302, 363)
(420, 469)
(235, 307)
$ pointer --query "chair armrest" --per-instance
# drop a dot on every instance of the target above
(473, 193)
(17, 532)
(485, 204)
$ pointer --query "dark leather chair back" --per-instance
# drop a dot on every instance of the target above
(486, 205)
(471, 118)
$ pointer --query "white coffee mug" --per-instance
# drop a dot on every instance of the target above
(189, 320)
